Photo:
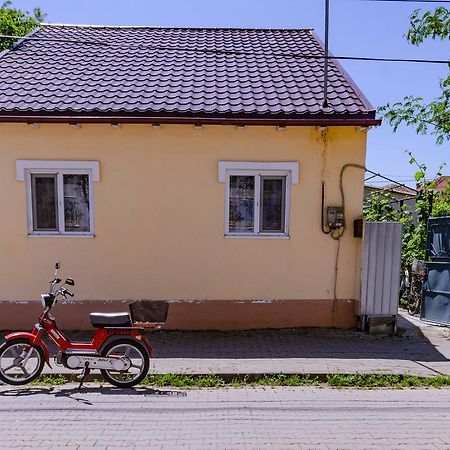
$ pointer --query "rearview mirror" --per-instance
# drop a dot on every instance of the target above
(57, 265)
(70, 282)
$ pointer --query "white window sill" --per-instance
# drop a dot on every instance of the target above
(257, 236)
(61, 235)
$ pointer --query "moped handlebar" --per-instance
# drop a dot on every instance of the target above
(54, 292)
(65, 291)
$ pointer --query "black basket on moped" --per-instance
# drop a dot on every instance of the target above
(149, 313)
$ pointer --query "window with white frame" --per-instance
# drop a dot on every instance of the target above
(60, 196)
(257, 197)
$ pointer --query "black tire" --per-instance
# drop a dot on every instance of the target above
(21, 342)
(139, 349)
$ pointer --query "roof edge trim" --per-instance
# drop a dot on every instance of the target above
(70, 119)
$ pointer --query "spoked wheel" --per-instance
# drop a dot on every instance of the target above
(20, 362)
(138, 356)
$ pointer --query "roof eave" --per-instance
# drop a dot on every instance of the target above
(155, 119)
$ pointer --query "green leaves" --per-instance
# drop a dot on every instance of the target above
(441, 204)
(379, 207)
(419, 175)
(15, 22)
(431, 24)
(433, 117)
(383, 207)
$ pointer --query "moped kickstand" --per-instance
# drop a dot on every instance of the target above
(84, 374)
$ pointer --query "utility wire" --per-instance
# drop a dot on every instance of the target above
(390, 179)
(384, 181)
(226, 52)
(407, 1)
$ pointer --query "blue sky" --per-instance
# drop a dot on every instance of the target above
(357, 27)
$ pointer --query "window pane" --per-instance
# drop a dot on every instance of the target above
(272, 201)
(76, 203)
(43, 190)
(242, 204)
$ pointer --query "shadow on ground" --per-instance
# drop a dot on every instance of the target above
(409, 344)
(77, 395)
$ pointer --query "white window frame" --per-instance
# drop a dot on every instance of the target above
(289, 170)
(26, 168)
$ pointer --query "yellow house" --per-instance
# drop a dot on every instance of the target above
(189, 165)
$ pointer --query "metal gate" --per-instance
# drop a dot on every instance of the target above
(436, 286)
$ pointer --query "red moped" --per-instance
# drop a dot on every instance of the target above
(119, 349)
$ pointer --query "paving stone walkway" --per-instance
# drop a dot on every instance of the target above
(419, 349)
(270, 418)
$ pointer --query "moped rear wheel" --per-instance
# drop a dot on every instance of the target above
(20, 362)
(137, 354)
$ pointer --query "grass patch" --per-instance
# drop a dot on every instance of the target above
(282, 379)
(386, 381)
(217, 381)
(55, 380)
(358, 381)
(184, 380)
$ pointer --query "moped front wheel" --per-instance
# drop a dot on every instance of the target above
(20, 362)
(138, 356)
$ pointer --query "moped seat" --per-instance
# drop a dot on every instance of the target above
(121, 319)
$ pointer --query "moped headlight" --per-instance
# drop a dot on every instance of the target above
(47, 300)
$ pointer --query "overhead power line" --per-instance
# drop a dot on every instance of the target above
(377, 174)
(407, 180)
(226, 52)
(407, 1)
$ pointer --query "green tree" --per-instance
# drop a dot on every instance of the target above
(379, 207)
(428, 202)
(441, 204)
(433, 117)
(15, 22)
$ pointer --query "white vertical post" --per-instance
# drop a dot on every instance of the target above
(325, 65)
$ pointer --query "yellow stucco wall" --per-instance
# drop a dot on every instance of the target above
(159, 214)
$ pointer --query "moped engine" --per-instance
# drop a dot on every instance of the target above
(78, 361)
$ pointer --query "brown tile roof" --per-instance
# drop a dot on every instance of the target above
(399, 189)
(242, 74)
(442, 182)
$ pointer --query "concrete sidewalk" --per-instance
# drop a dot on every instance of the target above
(419, 349)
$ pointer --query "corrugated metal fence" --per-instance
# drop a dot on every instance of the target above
(380, 280)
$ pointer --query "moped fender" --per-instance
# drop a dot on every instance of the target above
(141, 339)
(149, 346)
(33, 339)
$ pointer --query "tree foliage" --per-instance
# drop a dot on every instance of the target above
(433, 117)
(441, 205)
(428, 202)
(15, 22)
(431, 24)
(379, 207)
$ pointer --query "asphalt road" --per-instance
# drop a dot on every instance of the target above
(275, 418)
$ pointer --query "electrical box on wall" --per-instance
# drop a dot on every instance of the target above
(335, 217)
(358, 228)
